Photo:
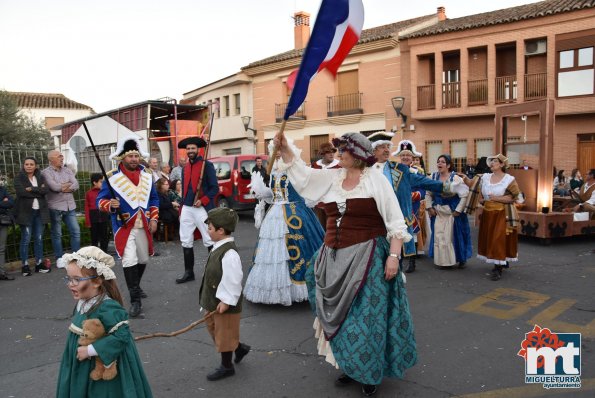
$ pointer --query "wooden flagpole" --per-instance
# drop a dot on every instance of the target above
(204, 160)
(274, 154)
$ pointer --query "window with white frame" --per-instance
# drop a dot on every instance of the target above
(458, 154)
(238, 107)
(576, 72)
(433, 150)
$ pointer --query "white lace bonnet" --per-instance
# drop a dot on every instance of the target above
(93, 257)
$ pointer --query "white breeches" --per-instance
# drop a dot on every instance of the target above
(190, 219)
(137, 248)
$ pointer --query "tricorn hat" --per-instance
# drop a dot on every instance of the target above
(199, 142)
(326, 147)
(503, 159)
(127, 145)
(381, 138)
(222, 217)
(406, 146)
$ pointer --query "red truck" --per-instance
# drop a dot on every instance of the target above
(233, 174)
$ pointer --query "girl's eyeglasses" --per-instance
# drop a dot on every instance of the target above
(75, 281)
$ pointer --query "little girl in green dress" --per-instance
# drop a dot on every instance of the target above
(92, 284)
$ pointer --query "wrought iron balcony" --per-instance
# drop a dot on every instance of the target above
(535, 86)
(300, 114)
(451, 95)
(506, 89)
(478, 92)
(347, 104)
(426, 98)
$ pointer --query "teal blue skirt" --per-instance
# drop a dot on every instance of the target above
(376, 339)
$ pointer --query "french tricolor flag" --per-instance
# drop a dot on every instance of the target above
(337, 29)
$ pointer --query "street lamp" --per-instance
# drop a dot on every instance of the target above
(398, 103)
(246, 122)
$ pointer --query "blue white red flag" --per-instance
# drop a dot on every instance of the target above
(337, 29)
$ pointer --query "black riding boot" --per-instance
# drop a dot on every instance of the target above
(411, 265)
(132, 282)
(141, 271)
(188, 266)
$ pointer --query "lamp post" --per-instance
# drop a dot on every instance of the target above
(398, 103)
(246, 122)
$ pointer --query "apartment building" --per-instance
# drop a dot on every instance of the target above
(233, 93)
(458, 71)
(358, 100)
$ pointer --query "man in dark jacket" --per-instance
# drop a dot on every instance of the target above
(6, 204)
(197, 200)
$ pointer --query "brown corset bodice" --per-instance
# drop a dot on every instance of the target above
(361, 222)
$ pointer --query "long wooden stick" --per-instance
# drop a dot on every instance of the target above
(177, 332)
(197, 195)
(274, 154)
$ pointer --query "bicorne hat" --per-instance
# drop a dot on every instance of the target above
(127, 145)
(406, 146)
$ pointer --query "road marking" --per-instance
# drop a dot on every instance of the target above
(549, 315)
(484, 304)
(532, 391)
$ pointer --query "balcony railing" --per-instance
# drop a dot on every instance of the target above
(506, 89)
(535, 86)
(478, 92)
(300, 114)
(346, 104)
(426, 98)
(451, 95)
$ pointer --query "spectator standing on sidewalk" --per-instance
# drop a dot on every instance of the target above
(96, 220)
(6, 204)
(31, 213)
(61, 183)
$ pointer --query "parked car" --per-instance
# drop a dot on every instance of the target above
(233, 174)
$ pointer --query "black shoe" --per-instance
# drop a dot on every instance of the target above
(26, 270)
(187, 277)
(369, 389)
(135, 309)
(410, 266)
(241, 352)
(220, 373)
(496, 273)
(343, 380)
(462, 265)
(41, 268)
(6, 277)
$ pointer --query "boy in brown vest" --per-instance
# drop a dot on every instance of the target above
(221, 291)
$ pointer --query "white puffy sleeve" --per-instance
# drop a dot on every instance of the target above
(462, 190)
(230, 287)
(388, 205)
(311, 184)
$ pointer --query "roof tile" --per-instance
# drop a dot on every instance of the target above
(46, 100)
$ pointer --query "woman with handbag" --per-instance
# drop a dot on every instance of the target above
(31, 213)
(6, 204)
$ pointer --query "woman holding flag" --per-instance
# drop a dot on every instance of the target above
(363, 323)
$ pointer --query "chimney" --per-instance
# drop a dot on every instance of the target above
(301, 30)
(441, 14)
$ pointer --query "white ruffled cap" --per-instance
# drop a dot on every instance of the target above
(93, 257)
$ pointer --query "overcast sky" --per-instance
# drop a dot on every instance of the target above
(108, 53)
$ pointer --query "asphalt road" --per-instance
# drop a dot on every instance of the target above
(468, 330)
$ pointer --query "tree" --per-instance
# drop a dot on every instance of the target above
(19, 129)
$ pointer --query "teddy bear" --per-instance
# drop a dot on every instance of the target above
(93, 330)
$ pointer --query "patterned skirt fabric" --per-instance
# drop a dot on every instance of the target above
(376, 339)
